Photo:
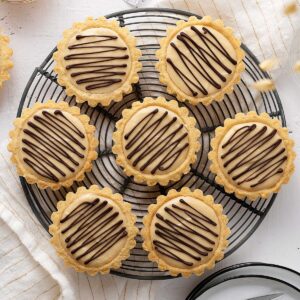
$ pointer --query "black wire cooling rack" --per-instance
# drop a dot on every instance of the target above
(149, 25)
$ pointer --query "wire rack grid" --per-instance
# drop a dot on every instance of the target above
(149, 25)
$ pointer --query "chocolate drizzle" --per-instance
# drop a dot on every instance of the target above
(91, 229)
(253, 155)
(156, 141)
(202, 60)
(185, 234)
(101, 62)
(52, 143)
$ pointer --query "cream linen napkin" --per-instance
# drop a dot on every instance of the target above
(29, 268)
(260, 24)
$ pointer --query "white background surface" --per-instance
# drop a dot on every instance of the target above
(34, 30)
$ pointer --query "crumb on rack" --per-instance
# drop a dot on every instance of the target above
(297, 66)
(269, 64)
(290, 8)
(264, 85)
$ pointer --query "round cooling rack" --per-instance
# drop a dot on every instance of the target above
(253, 279)
(149, 25)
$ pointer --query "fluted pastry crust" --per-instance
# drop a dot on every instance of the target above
(32, 177)
(129, 219)
(85, 95)
(222, 241)
(5, 59)
(165, 177)
(223, 179)
(161, 54)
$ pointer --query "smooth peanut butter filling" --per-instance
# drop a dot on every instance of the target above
(97, 60)
(155, 140)
(200, 61)
(185, 232)
(253, 156)
(53, 145)
(93, 230)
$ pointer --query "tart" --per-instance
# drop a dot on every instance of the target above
(185, 232)
(156, 141)
(97, 61)
(53, 145)
(252, 155)
(5, 62)
(93, 230)
(200, 60)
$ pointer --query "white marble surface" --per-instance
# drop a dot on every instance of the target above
(34, 30)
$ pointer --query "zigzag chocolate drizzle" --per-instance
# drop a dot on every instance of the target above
(247, 149)
(93, 228)
(52, 142)
(98, 63)
(156, 142)
(198, 60)
(181, 236)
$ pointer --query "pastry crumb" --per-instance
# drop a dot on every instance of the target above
(264, 85)
(290, 8)
(269, 64)
(297, 67)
